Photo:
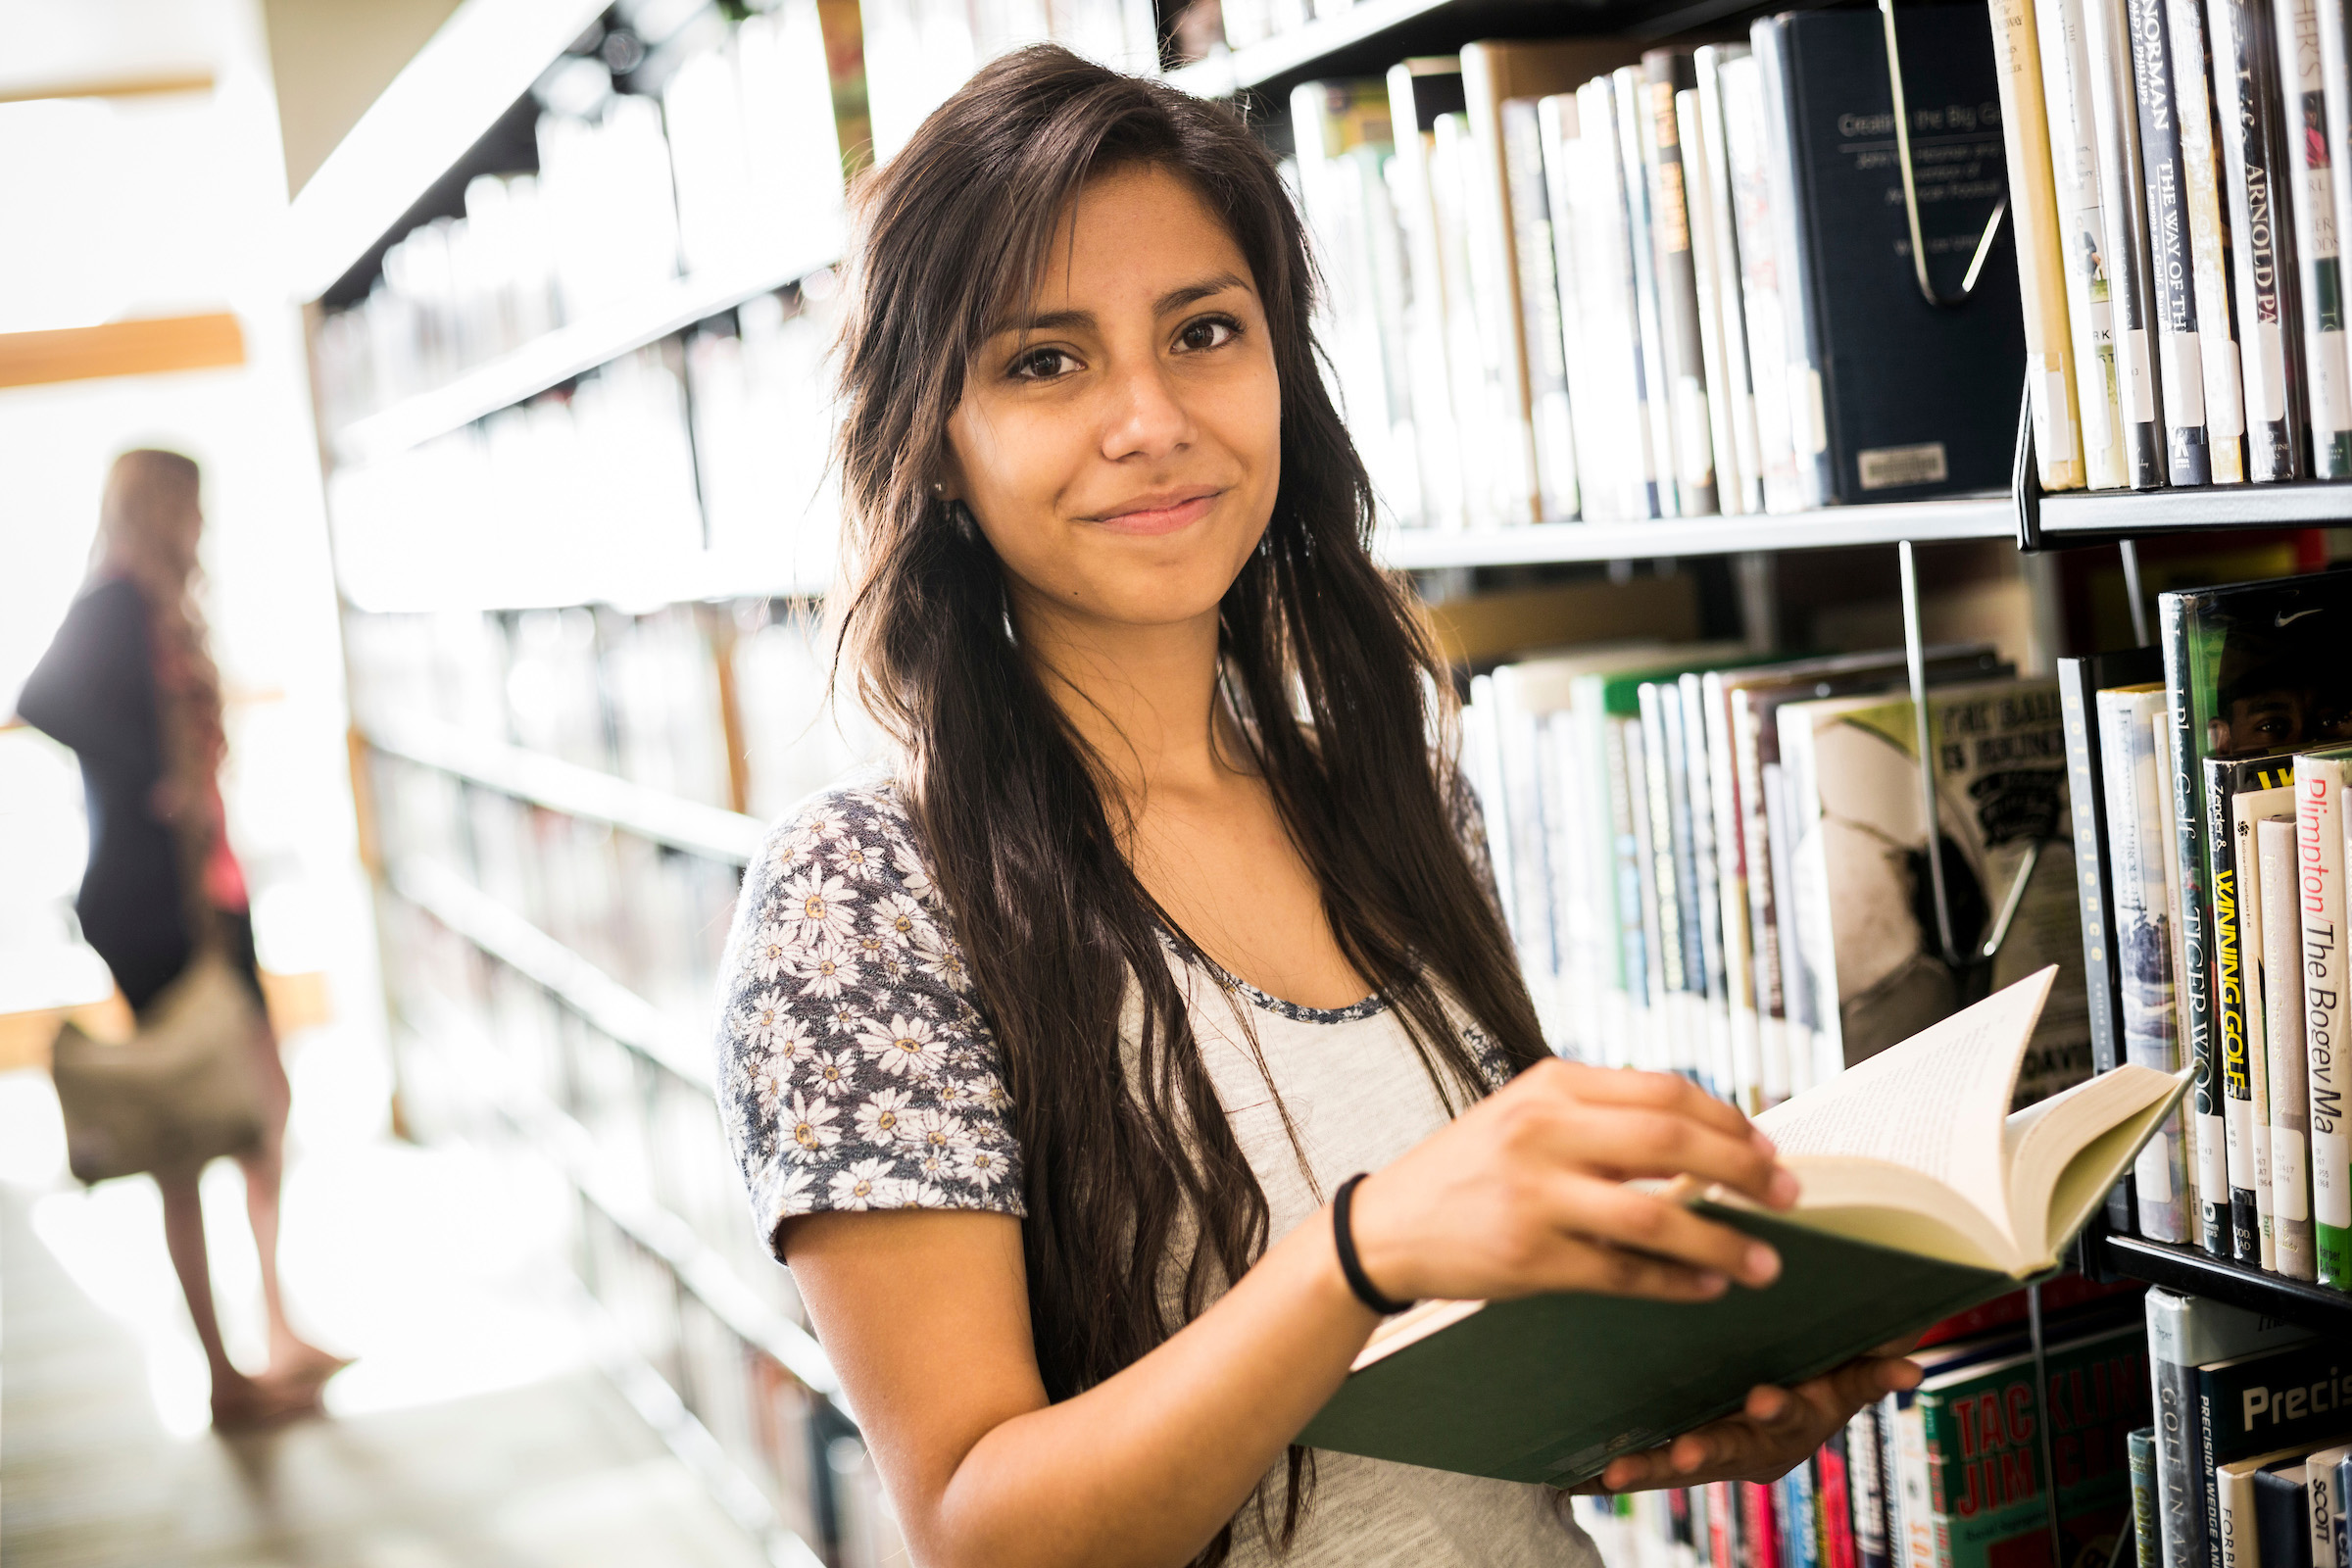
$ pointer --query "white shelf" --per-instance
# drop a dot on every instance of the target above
(1921, 522)
(581, 346)
(2308, 503)
(1222, 74)
(468, 73)
(575, 791)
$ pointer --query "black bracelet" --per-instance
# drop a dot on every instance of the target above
(1343, 1237)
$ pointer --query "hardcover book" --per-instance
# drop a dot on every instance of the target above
(1903, 381)
(1923, 1193)
(2082, 238)
(2130, 291)
(2182, 372)
(2262, 265)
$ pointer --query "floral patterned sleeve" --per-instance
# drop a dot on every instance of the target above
(855, 1070)
(1469, 821)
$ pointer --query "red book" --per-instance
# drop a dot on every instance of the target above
(1722, 1537)
(1759, 1524)
(1837, 1506)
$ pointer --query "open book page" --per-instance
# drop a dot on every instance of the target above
(2066, 1152)
(1934, 1108)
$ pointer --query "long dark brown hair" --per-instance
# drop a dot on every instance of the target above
(1327, 664)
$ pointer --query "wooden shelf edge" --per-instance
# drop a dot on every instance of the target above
(2186, 1268)
(576, 348)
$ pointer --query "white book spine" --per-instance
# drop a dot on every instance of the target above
(2073, 156)
(2321, 904)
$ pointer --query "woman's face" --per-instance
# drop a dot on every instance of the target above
(1119, 437)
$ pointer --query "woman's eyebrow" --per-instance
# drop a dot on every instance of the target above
(1175, 299)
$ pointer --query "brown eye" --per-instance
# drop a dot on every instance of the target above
(1208, 332)
(1042, 365)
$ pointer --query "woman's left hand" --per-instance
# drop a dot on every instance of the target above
(1777, 1431)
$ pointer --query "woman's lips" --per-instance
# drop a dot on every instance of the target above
(1148, 520)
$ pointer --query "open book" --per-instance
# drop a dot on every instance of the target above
(1923, 1194)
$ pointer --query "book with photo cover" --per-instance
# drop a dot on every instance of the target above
(1923, 1194)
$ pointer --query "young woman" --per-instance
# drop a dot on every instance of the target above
(1048, 1055)
(130, 685)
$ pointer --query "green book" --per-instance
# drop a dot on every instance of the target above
(1922, 1196)
(1980, 1445)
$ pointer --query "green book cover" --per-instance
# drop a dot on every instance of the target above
(1922, 1196)
(1987, 1487)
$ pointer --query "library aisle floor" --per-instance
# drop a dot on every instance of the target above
(474, 1431)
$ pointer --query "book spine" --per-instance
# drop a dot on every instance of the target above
(1921, 1546)
(1866, 1484)
(2234, 1539)
(1808, 417)
(2040, 269)
(1665, 73)
(1549, 410)
(2074, 157)
(1722, 1537)
(2182, 370)
(1608, 490)
(1433, 395)
(2261, 256)
(1731, 882)
(2116, 120)
(2180, 1440)
(2242, 1150)
(2130, 725)
(1629, 97)
(2304, 88)
(1727, 308)
(1800, 1518)
(1759, 1524)
(2271, 1082)
(2148, 1548)
(2341, 1498)
(2320, 905)
(1627, 813)
(1835, 1504)
(1732, 474)
(1615, 212)
(2195, 980)
(2319, 1482)
(1701, 763)
(2336, 133)
(2076, 702)
(2213, 1529)
(2208, 242)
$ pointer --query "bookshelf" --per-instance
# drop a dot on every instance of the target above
(1988, 516)
(578, 347)
(2186, 1268)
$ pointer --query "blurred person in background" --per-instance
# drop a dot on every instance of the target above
(130, 685)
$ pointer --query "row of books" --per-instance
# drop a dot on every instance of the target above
(2179, 179)
(1949, 1475)
(1721, 863)
(720, 704)
(2247, 1461)
(1572, 278)
(692, 466)
(739, 161)
(651, 1135)
(2209, 831)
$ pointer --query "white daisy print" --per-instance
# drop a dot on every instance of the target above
(771, 952)
(794, 1196)
(981, 1167)
(806, 1125)
(825, 822)
(939, 1131)
(897, 919)
(862, 863)
(825, 969)
(761, 1023)
(909, 866)
(939, 958)
(909, 1044)
(834, 1072)
(934, 1165)
(878, 1118)
(844, 1017)
(816, 903)
(867, 1184)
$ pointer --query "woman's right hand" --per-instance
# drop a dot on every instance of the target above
(1528, 1192)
